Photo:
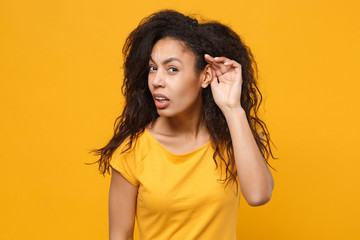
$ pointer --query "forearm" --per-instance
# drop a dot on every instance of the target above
(120, 237)
(256, 181)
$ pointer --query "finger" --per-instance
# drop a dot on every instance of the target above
(221, 59)
(214, 81)
(208, 58)
(219, 67)
(224, 60)
(218, 72)
(221, 64)
(235, 65)
(228, 63)
(215, 60)
(238, 67)
(222, 69)
(232, 63)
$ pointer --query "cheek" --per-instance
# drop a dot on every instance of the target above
(188, 92)
(188, 83)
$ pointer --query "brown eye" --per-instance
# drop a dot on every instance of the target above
(173, 69)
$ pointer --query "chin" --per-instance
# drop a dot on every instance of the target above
(165, 113)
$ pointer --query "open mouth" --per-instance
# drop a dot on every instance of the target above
(161, 99)
(161, 102)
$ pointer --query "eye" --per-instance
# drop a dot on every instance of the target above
(173, 69)
(152, 68)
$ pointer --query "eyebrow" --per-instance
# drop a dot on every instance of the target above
(168, 60)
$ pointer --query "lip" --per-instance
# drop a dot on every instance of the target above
(158, 104)
(159, 95)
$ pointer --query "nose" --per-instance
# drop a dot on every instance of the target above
(158, 79)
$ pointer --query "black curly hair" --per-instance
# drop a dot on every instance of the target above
(209, 37)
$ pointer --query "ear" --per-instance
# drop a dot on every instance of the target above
(207, 76)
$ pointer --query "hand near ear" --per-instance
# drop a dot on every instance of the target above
(226, 83)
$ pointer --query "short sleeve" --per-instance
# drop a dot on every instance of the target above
(125, 163)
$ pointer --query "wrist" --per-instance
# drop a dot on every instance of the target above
(231, 111)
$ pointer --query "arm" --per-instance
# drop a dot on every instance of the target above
(122, 205)
(255, 179)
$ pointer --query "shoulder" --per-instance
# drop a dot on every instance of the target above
(136, 148)
(130, 153)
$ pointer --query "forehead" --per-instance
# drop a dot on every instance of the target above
(170, 47)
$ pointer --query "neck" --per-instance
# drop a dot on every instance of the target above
(189, 124)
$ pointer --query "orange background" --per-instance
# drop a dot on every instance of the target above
(60, 80)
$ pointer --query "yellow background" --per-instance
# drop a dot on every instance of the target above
(60, 79)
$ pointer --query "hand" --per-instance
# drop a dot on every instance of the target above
(226, 83)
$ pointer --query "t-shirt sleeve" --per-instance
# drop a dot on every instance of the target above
(125, 163)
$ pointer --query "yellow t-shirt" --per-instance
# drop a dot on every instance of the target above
(179, 196)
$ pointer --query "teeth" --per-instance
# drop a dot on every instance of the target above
(161, 99)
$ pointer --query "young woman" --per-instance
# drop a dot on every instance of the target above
(190, 118)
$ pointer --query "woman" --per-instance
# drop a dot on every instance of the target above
(190, 117)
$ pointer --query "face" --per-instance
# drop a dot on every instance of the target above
(172, 80)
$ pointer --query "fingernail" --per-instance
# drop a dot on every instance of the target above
(216, 58)
(226, 63)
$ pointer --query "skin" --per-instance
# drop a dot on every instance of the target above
(180, 128)
(256, 181)
(122, 207)
(171, 72)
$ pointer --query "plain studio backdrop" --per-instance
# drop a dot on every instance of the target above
(60, 80)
